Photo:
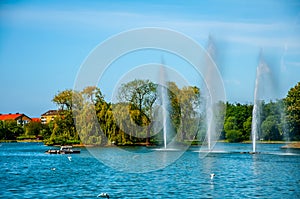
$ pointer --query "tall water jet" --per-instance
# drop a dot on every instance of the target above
(209, 113)
(211, 50)
(263, 87)
(255, 111)
(163, 93)
(214, 111)
(209, 120)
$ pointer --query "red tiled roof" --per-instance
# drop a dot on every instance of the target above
(36, 119)
(10, 116)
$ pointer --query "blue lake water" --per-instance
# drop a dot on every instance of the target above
(27, 172)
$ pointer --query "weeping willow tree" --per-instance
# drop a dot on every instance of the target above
(89, 118)
(137, 98)
(134, 119)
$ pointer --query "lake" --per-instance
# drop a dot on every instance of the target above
(27, 172)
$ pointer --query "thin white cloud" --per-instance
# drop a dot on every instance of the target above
(232, 81)
(247, 33)
(295, 64)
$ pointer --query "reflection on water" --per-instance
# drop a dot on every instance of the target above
(27, 172)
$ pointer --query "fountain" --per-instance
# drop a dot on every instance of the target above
(213, 108)
(255, 112)
(169, 141)
(164, 102)
(211, 130)
(262, 71)
(164, 112)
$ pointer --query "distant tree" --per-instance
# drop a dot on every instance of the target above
(238, 117)
(140, 96)
(175, 107)
(63, 127)
(89, 103)
(46, 131)
(3, 131)
(292, 105)
(33, 128)
(93, 95)
(234, 135)
(232, 131)
(10, 130)
(270, 130)
(230, 124)
(64, 100)
(247, 128)
(189, 99)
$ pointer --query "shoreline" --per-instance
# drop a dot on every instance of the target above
(288, 144)
(294, 145)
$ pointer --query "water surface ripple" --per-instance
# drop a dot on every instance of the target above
(27, 172)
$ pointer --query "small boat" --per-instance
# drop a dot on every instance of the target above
(63, 150)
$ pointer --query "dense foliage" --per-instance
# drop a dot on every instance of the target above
(136, 117)
(292, 104)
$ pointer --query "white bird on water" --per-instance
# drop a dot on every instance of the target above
(103, 195)
(70, 158)
(212, 175)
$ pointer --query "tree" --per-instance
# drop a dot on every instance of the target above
(292, 105)
(64, 100)
(88, 127)
(4, 133)
(189, 100)
(175, 108)
(232, 132)
(247, 125)
(230, 124)
(270, 130)
(63, 130)
(93, 95)
(239, 117)
(234, 135)
(33, 128)
(140, 96)
(10, 130)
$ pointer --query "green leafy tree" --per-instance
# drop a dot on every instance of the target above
(292, 104)
(238, 118)
(233, 134)
(63, 128)
(10, 130)
(33, 128)
(141, 96)
(247, 125)
(189, 99)
(5, 134)
(175, 107)
(64, 100)
(270, 130)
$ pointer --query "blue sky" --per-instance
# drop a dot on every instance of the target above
(43, 43)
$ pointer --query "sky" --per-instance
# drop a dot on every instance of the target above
(43, 44)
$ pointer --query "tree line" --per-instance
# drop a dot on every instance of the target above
(136, 117)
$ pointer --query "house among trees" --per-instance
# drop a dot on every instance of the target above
(49, 116)
(36, 119)
(21, 119)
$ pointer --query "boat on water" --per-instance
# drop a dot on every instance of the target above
(63, 150)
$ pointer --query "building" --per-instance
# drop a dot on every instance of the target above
(49, 116)
(36, 120)
(19, 117)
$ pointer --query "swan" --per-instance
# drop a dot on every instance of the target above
(70, 158)
(103, 195)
